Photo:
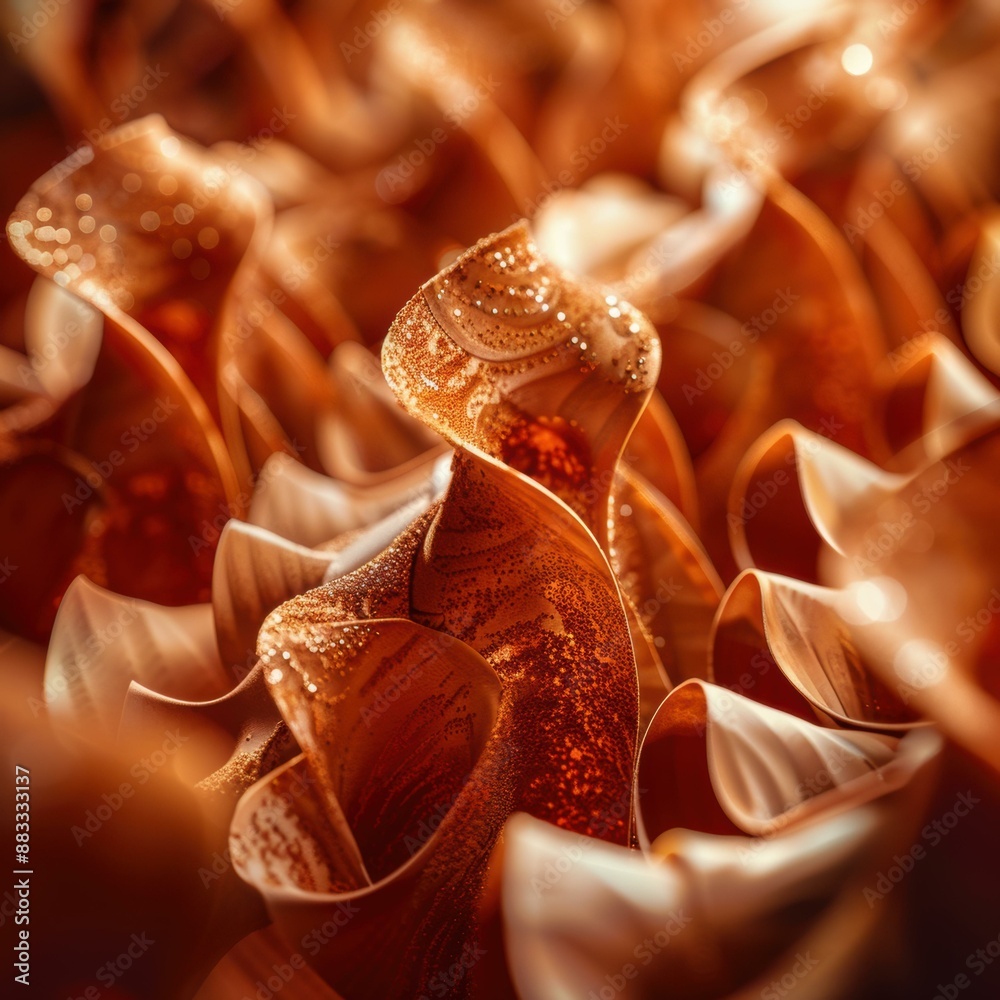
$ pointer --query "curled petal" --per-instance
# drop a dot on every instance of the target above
(980, 297)
(255, 571)
(399, 782)
(102, 641)
(694, 244)
(62, 340)
(101, 226)
(366, 438)
(124, 492)
(527, 365)
(934, 401)
(656, 449)
(883, 539)
(595, 229)
(665, 573)
(549, 623)
(549, 374)
(704, 916)
(310, 509)
(794, 492)
(788, 645)
(225, 744)
(794, 266)
(716, 761)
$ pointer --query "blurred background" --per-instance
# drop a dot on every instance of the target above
(815, 182)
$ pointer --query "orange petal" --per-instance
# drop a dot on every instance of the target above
(716, 761)
(382, 818)
(789, 645)
(101, 642)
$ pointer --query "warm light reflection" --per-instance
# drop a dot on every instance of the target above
(857, 59)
